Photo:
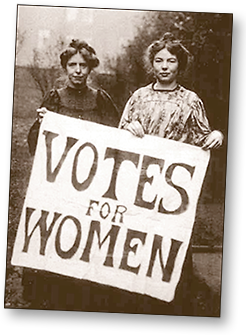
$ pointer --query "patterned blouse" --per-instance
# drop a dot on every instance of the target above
(178, 114)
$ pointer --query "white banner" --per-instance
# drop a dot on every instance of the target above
(108, 207)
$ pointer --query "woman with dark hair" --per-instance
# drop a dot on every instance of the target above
(44, 290)
(77, 99)
(164, 108)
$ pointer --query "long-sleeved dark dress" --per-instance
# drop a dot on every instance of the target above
(87, 104)
(45, 290)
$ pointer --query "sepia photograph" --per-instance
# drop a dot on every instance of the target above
(118, 160)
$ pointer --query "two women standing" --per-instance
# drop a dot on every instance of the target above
(163, 108)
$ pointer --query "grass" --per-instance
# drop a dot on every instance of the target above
(209, 220)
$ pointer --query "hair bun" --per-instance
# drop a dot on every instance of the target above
(168, 37)
(84, 49)
(77, 44)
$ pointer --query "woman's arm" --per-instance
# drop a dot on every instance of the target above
(109, 111)
(200, 132)
(50, 102)
(214, 140)
(129, 119)
(125, 117)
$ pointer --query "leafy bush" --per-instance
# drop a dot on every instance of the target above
(45, 66)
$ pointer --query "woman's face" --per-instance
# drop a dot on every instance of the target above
(77, 70)
(165, 66)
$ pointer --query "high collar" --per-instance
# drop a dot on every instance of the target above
(79, 90)
(164, 89)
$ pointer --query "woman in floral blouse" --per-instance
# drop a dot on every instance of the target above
(164, 108)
